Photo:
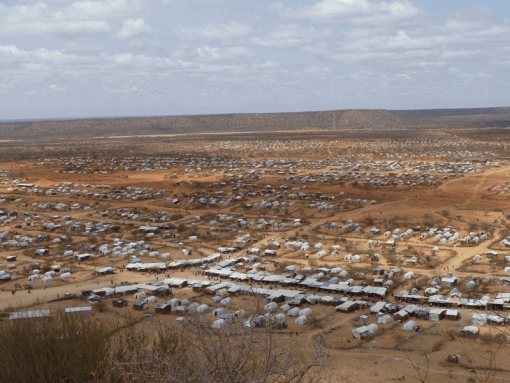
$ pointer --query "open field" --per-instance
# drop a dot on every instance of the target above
(399, 225)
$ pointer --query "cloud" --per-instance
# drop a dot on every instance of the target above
(76, 19)
(290, 35)
(12, 51)
(352, 11)
(267, 65)
(213, 32)
(428, 43)
(132, 28)
(208, 53)
(54, 88)
(334, 52)
(33, 93)
(41, 54)
(131, 59)
(101, 9)
(39, 19)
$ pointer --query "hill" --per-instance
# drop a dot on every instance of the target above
(337, 120)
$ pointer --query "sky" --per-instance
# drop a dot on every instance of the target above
(82, 59)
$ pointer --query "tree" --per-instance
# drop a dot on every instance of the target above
(249, 351)
(62, 349)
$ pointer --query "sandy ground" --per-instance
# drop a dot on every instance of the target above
(391, 355)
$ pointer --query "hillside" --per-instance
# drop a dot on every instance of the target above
(338, 120)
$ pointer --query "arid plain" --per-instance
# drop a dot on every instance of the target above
(394, 241)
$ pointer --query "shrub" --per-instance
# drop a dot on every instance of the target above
(62, 349)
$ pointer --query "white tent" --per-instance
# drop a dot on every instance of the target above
(480, 319)
(285, 307)
(410, 325)
(173, 302)
(239, 313)
(302, 320)
(226, 302)
(385, 319)
(140, 295)
(280, 318)
(219, 323)
(218, 312)
(305, 312)
(470, 330)
(202, 309)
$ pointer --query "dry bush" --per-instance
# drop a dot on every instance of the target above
(195, 352)
(63, 349)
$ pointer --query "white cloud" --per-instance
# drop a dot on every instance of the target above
(131, 59)
(208, 53)
(33, 93)
(323, 54)
(212, 32)
(54, 88)
(39, 19)
(290, 35)
(132, 28)
(59, 27)
(352, 11)
(100, 9)
(266, 65)
(12, 51)
(78, 18)
(461, 53)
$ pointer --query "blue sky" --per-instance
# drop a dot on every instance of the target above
(76, 59)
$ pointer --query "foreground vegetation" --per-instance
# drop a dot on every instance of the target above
(70, 349)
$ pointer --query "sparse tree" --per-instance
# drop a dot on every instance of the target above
(196, 352)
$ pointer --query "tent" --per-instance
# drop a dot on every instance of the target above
(410, 325)
(305, 312)
(385, 319)
(140, 295)
(480, 319)
(219, 323)
(302, 320)
(293, 312)
(150, 300)
(202, 309)
(361, 332)
(470, 331)
(139, 305)
(226, 302)
(163, 308)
